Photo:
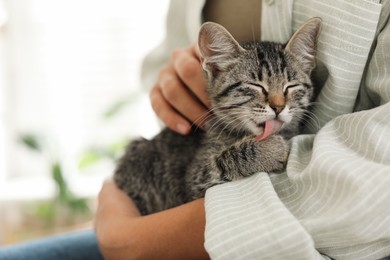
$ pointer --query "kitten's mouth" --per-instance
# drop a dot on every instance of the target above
(270, 127)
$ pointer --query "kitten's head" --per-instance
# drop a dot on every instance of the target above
(257, 82)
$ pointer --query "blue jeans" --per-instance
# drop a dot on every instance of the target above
(76, 245)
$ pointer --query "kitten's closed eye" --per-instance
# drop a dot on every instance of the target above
(263, 88)
(288, 88)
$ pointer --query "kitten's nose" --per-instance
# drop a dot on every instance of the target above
(277, 102)
(277, 109)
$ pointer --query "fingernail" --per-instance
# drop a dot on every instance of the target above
(182, 128)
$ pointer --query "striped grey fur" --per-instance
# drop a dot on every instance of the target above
(247, 85)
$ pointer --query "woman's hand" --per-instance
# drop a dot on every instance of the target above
(179, 97)
(122, 233)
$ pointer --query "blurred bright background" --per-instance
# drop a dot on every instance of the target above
(70, 100)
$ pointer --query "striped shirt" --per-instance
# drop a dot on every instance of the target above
(334, 198)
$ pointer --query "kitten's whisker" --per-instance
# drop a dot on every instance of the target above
(315, 122)
(205, 116)
(219, 121)
(227, 125)
(202, 119)
(240, 121)
(246, 115)
(243, 123)
(308, 118)
(222, 120)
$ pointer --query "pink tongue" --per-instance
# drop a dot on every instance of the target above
(271, 126)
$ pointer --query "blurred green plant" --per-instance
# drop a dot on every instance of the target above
(64, 198)
(112, 151)
(32, 142)
(94, 155)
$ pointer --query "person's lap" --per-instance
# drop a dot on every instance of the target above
(76, 245)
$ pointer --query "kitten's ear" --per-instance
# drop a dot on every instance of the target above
(303, 43)
(217, 47)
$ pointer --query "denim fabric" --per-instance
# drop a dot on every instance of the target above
(70, 246)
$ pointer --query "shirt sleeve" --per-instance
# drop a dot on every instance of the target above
(333, 199)
(182, 24)
(175, 37)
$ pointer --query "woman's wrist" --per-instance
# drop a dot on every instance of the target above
(177, 233)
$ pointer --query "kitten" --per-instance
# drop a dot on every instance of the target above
(259, 93)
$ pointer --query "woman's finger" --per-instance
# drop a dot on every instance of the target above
(188, 68)
(172, 119)
(181, 99)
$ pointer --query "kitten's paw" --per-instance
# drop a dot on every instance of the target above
(250, 156)
(274, 153)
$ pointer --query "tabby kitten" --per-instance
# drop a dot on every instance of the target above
(259, 93)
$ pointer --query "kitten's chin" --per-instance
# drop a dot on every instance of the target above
(256, 129)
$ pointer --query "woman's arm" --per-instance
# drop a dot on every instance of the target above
(122, 233)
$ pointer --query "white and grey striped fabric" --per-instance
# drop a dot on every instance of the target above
(334, 199)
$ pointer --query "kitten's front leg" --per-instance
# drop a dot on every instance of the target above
(242, 159)
(249, 156)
